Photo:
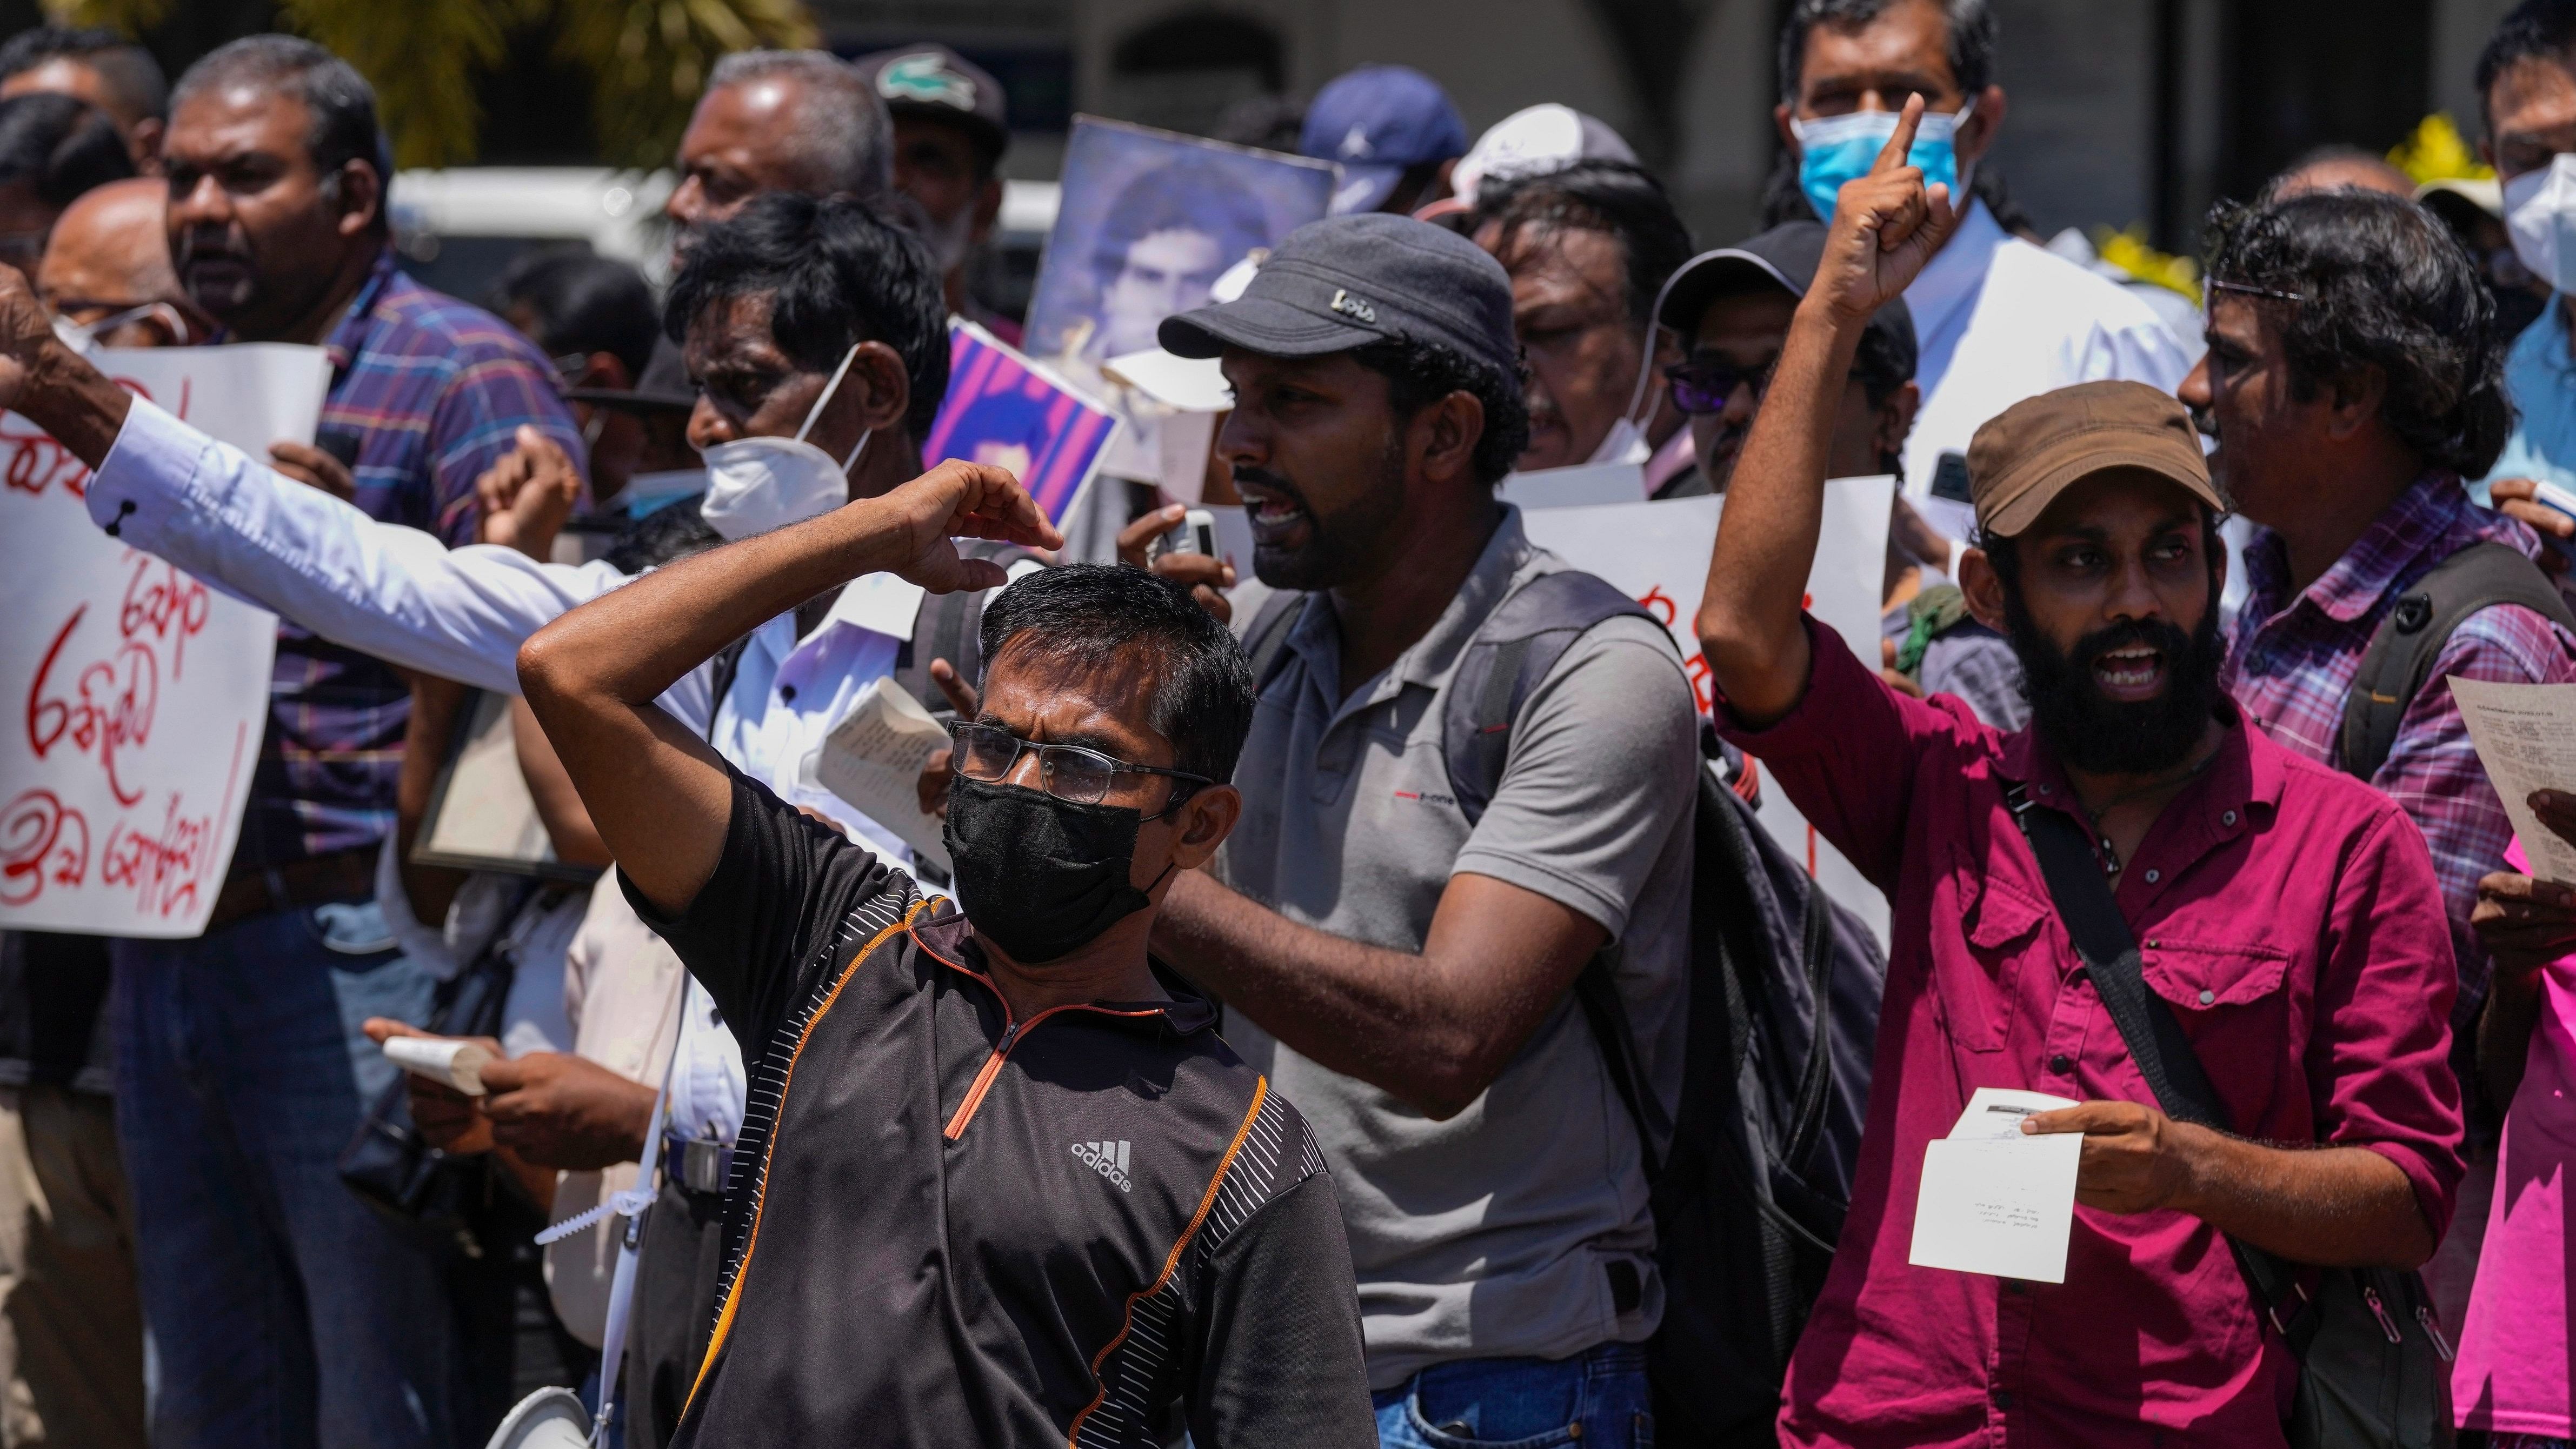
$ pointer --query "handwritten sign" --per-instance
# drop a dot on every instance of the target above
(135, 694)
(1658, 554)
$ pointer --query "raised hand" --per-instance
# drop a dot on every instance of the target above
(24, 330)
(1206, 578)
(955, 500)
(314, 468)
(1886, 226)
(527, 495)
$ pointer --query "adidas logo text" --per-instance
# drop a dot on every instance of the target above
(1109, 1159)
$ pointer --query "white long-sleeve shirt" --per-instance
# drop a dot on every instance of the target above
(1997, 320)
(401, 595)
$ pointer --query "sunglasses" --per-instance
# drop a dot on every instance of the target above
(1704, 385)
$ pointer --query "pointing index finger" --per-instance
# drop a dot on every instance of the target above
(1900, 142)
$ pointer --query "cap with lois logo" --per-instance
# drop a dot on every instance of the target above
(1349, 281)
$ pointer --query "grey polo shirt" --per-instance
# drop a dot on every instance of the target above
(1489, 1235)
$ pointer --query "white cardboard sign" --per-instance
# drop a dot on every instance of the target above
(1657, 552)
(135, 694)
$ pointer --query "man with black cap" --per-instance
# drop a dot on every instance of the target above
(951, 126)
(1731, 309)
(1399, 961)
(2279, 922)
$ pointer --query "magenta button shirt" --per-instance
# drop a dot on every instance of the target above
(2290, 917)
(2513, 1369)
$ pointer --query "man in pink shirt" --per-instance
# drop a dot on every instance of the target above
(2286, 916)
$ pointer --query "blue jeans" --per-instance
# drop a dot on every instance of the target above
(1596, 1399)
(284, 1311)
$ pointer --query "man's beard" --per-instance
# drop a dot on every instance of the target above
(1338, 546)
(2103, 736)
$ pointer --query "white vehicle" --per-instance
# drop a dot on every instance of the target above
(459, 229)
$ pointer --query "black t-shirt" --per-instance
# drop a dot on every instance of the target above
(948, 1227)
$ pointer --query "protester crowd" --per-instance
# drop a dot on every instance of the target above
(1358, 1003)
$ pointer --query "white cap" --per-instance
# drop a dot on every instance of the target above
(1533, 142)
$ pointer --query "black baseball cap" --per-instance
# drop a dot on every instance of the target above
(1348, 281)
(938, 83)
(664, 386)
(1786, 256)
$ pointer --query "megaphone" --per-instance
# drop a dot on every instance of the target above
(547, 1419)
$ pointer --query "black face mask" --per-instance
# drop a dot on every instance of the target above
(1041, 877)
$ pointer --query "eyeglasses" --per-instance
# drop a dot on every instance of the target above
(106, 317)
(1704, 384)
(1068, 772)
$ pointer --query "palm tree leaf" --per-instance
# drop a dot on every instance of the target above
(648, 59)
(421, 58)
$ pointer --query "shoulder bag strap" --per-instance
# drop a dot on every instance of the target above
(2155, 1040)
(2398, 662)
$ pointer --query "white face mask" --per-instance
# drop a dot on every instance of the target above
(757, 484)
(2540, 212)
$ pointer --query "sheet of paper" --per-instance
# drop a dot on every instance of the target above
(1998, 1112)
(2526, 738)
(455, 1062)
(873, 759)
(1997, 1205)
(139, 694)
(1584, 485)
(1657, 554)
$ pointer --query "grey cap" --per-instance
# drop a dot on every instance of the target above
(1348, 281)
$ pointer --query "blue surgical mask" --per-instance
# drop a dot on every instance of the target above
(1836, 149)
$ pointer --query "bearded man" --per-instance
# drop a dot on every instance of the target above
(2281, 926)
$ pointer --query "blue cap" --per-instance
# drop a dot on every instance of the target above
(1377, 121)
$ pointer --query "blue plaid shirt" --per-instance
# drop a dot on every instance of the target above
(432, 391)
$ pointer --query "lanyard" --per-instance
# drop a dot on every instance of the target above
(631, 1205)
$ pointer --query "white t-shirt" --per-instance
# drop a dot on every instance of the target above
(1997, 320)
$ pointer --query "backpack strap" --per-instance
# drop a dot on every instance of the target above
(1267, 639)
(2156, 1041)
(1512, 651)
(2399, 661)
(728, 663)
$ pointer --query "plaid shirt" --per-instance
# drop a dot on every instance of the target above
(2292, 663)
(431, 391)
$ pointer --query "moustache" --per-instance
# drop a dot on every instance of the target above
(207, 245)
(1263, 478)
(2153, 634)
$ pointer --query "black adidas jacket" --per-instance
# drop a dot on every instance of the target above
(945, 1227)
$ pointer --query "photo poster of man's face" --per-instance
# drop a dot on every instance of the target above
(1147, 222)
(1007, 411)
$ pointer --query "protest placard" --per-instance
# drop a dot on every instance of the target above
(1150, 219)
(1005, 410)
(1657, 553)
(138, 695)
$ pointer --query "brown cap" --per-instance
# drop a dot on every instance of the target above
(2036, 449)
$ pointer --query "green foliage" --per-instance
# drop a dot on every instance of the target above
(647, 59)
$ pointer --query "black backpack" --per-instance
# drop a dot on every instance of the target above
(1750, 1196)
(2399, 661)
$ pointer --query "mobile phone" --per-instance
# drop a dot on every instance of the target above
(2551, 496)
(1195, 533)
